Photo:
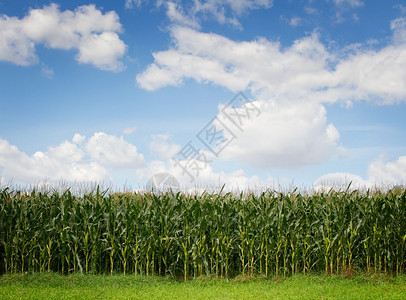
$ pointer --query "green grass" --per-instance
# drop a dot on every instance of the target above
(56, 286)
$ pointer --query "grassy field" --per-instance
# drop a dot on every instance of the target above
(56, 286)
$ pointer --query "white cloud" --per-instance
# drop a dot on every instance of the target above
(295, 21)
(113, 151)
(340, 181)
(351, 3)
(190, 13)
(238, 65)
(392, 172)
(399, 30)
(86, 29)
(206, 178)
(381, 174)
(306, 69)
(78, 138)
(370, 75)
(47, 71)
(237, 7)
(129, 130)
(311, 10)
(345, 6)
(61, 162)
(66, 152)
(297, 80)
(176, 15)
(234, 181)
(102, 50)
(133, 3)
(289, 132)
(15, 46)
(159, 144)
(284, 135)
(87, 161)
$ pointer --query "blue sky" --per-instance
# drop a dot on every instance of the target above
(117, 91)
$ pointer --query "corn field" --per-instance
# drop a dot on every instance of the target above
(272, 234)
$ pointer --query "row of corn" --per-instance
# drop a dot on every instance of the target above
(215, 234)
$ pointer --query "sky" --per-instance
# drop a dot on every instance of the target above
(247, 93)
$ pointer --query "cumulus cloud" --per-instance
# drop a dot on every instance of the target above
(388, 172)
(206, 178)
(160, 145)
(113, 151)
(399, 30)
(61, 162)
(87, 161)
(283, 135)
(15, 46)
(87, 29)
(292, 84)
(236, 181)
(340, 181)
(78, 138)
(287, 133)
(258, 64)
(306, 69)
(381, 173)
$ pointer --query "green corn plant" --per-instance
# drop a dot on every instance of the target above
(219, 234)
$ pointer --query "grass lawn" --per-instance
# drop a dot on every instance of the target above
(54, 286)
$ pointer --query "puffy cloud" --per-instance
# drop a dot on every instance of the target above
(370, 75)
(392, 172)
(102, 50)
(340, 181)
(66, 152)
(398, 27)
(159, 144)
(15, 46)
(306, 69)
(208, 57)
(291, 131)
(78, 138)
(206, 178)
(283, 135)
(86, 29)
(176, 15)
(61, 162)
(381, 173)
(201, 175)
(292, 84)
(113, 151)
(234, 181)
(91, 160)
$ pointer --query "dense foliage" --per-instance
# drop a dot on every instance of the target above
(274, 234)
